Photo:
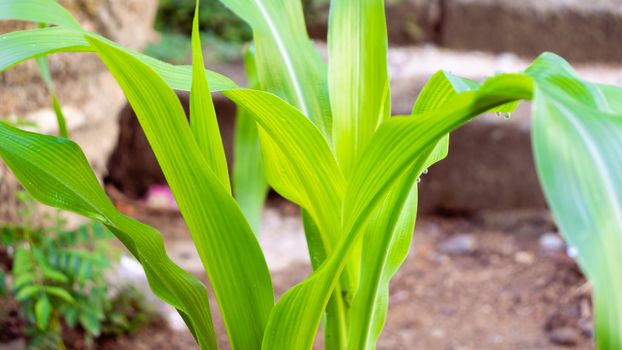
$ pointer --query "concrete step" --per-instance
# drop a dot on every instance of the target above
(582, 30)
(490, 164)
(577, 29)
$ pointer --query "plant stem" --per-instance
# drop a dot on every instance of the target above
(335, 331)
(607, 317)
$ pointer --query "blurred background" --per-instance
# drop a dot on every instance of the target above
(487, 270)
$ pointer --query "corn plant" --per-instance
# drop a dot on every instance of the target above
(327, 144)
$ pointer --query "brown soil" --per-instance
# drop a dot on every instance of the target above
(156, 336)
(501, 293)
(504, 293)
(10, 321)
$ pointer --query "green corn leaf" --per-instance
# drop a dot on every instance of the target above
(280, 173)
(249, 181)
(387, 238)
(440, 88)
(56, 173)
(60, 116)
(46, 11)
(202, 114)
(22, 45)
(401, 146)
(44, 70)
(385, 247)
(228, 249)
(358, 76)
(316, 180)
(359, 97)
(336, 318)
(577, 151)
(282, 177)
(315, 291)
(437, 91)
(43, 312)
(386, 243)
(577, 146)
(613, 96)
(287, 63)
(309, 169)
(178, 77)
(569, 115)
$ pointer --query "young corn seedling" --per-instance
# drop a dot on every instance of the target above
(327, 144)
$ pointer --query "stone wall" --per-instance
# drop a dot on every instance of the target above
(89, 95)
(579, 30)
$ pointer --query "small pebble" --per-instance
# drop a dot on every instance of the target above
(174, 320)
(460, 244)
(438, 333)
(524, 258)
(572, 252)
(551, 242)
(564, 336)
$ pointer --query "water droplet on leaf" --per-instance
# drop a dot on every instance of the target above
(504, 115)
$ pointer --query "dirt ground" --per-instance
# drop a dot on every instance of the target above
(502, 293)
(470, 283)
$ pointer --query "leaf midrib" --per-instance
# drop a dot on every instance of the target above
(286, 59)
(598, 160)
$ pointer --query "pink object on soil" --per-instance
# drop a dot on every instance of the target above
(160, 196)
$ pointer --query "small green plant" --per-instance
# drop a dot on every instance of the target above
(329, 145)
(3, 289)
(58, 274)
(222, 32)
(127, 312)
(215, 20)
(58, 277)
